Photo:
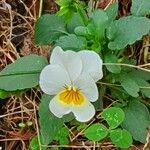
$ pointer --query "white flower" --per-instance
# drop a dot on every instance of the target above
(71, 77)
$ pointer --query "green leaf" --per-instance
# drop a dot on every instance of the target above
(96, 132)
(121, 138)
(34, 144)
(130, 86)
(110, 58)
(114, 116)
(22, 74)
(137, 120)
(99, 20)
(64, 2)
(4, 94)
(49, 28)
(72, 42)
(81, 30)
(62, 136)
(74, 22)
(127, 30)
(112, 11)
(49, 124)
(140, 7)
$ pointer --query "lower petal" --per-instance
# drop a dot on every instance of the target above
(58, 108)
(84, 112)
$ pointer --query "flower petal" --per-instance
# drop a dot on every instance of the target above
(84, 112)
(53, 78)
(57, 108)
(87, 86)
(92, 64)
(70, 60)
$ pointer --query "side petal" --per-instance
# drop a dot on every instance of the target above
(83, 113)
(87, 86)
(92, 64)
(53, 78)
(70, 60)
(57, 108)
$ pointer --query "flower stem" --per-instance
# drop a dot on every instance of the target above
(40, 8)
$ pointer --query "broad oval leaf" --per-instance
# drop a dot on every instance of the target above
(110, 58)
(49, 28)
(121, 138)
(96, 132)
(114, 116)
(137, 120)
(127, 30)
(130, 86)
(49, 124)
(140, 7)
(22, 74)
(72, 42)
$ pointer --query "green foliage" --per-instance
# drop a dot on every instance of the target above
(72, 42)
(62, 136)
(137, 119)
(4, 94)
(34, 144)
(22, 74)
(48, 29)
(130, 86)
(140, 7)
(114, 116)
(121, 138)
(96, 132)
(49, 124)
(112, 11)
(127, 30)
(110, 58)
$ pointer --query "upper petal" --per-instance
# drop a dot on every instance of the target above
(87, 86)
(57, 108)
(70, 60)
(83, 113)
(53, 78)
(92, 64)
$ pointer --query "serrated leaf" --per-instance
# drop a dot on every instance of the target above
(140, 7)
(96, 132)
(72, 42)
(49, 124)
(22, 74)
(114, 116)
(130, 86)
(49, 28)
(112, 11)
(99, 20)
(137, 120)
(110, 58)
(34, 144)
(121, 138)
(127, 30)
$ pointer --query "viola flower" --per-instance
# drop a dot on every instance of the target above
(71, 77)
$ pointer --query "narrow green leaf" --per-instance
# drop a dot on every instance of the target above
(130, 86)
(22, 74)
(96, 132)
(137, 120)
(112, 11)
(140, 7)
(49, 124)
(49, 28)
(72, 42)
(99, 19)
(121, 138)
(4, 94)
(110, 58)
(114, 116)
(127, 30)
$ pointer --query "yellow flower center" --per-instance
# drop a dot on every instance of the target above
(71, 95)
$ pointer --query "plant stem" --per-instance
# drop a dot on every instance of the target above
(40, 8)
